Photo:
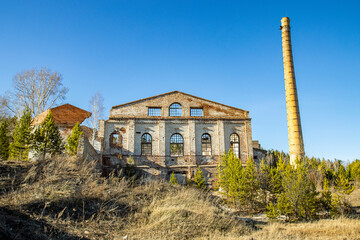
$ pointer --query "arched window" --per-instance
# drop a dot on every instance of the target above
(146, 146)
(235, 144)
(206, 144)
(176, 145)
(115, 139)
(175, 110)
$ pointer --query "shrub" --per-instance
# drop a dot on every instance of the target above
(73, 139)
(298, 199)
(238, 185)
(199, 178)
(173, 179)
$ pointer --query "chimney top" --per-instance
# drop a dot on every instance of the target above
(285, 21)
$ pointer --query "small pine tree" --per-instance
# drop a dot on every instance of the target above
(46, 138)
(19, 148)
(251, 186)
(326, 196)
(130, 170)
(189, 182)
(73, 139)
(230, 179)
(264, 180)
(340, 204)
(272, 211)
(276, 175)
(298, 199)
(299, 192)
(199, 178)
(4, 140)
(173, 179)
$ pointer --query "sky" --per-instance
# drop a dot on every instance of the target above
(225, 51)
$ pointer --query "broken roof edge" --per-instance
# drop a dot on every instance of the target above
(40, 118)
(173, 92)
(88, 113)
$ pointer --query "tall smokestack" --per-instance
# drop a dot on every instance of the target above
(296, 144)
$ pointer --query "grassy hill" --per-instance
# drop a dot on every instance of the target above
(65, 198)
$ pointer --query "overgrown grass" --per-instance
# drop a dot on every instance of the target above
(66, 198)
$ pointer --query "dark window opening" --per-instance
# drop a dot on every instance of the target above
(154, 111)
(146, 146)
(176, 145)
(196, 112)
(175, 110)
(206, 144)
(235, 144)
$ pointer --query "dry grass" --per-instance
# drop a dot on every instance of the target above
(342, 228)
(67, 199)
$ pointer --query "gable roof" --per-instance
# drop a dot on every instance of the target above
(66, 114)
(173, 92)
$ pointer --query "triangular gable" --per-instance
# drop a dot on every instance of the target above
(138, 108)
(169, 93)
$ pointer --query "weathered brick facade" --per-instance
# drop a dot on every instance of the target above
(205, 137)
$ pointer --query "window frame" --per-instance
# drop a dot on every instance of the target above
(176, 145)
(237, 153)
(119, 143)
(173, 110)
(208, 148)
(154, 108)
(196, 108)
(146, 143)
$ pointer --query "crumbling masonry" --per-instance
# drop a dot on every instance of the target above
(174, 132)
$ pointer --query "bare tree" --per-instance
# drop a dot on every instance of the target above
(36, 89)
(97, 110)
(4, 111)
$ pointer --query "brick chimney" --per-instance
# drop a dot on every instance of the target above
(296, 144)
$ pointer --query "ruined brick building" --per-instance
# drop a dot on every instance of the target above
(65, 117)
(175, 132)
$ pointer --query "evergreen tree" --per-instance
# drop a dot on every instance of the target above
(298, 199)
(276, 176)
(173, 179)
(73, 139)
(230, 178)
(4, 140)
(340, 204)
(19, 148)
(264, 180)
(326, 197)
(354, 169)
(46, 138)
(250, 189)
(199, 178)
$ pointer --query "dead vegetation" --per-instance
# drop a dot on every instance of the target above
(65, 198)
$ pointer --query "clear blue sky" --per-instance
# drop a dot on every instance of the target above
(225, 51)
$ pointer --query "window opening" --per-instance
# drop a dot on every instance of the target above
(206, 144)
(235, 144)
(154, 111)
(115, 139)
(196, 112)
(176, 145)
(146, 146)
(175, 110)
